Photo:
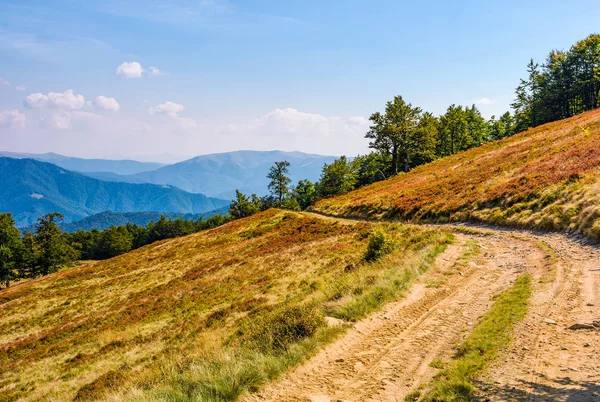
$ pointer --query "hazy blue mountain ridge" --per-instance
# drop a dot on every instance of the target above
(30, 189)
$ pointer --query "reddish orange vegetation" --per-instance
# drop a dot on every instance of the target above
(545, 178)
(78, 331)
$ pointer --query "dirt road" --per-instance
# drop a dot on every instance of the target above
(389, 354)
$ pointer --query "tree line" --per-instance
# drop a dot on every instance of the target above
(566, 84)
(48, 249)
(402, 137)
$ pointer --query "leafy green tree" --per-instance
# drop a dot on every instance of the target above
(115, 241)
(29, 257)
(370, 168)
(55, 250)
(243, 206)
(10, 246)
(279, 181)
(501, 128)
(477, 128)
(566, 84)
(393, 133)
(337, 177)
(264, 202)
(454, 131)
(305, 193)
(425, 140)
(291, 203)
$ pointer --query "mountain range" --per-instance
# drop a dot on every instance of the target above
(30, 189)
(118, 167)
(219, 175)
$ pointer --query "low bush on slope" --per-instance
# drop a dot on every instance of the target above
(544, 178)
(202, 317)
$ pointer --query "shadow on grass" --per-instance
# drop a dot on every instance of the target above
(561, 390)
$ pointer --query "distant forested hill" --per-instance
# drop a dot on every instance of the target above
(105, 220)
(30, 189)
(219, 175)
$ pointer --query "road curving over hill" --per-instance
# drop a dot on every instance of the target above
(388, 355)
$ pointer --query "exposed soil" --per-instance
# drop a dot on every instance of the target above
(388, 355)
(547, 361)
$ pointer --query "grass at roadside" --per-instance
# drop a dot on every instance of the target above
(202, 317)
(494, 331)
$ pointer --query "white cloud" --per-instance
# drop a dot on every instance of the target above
(291, 129)
(20, 88)
(483, 101)
(60, 121)
(12, 119)
(168, 107)
(135, 70)
(66, 120)
(104, 103)
(155, 71)
(4, 82)
(357, 120)
(291, 122)
(172, 109)
(64, 100)
(130, 70)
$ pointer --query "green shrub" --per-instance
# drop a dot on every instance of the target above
(277, 330)
(379, 245)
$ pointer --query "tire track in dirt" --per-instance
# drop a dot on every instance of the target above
(547, 361)
(387, 355)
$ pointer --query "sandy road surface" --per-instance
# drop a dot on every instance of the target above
(387, 355)
(547, 361)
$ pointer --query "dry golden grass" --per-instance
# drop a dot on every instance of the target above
(544, 178)
(167, 321)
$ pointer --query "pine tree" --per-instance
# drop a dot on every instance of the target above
(279, 181)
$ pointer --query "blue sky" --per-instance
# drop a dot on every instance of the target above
(211, 76)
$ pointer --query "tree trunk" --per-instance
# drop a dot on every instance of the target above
(395, 159)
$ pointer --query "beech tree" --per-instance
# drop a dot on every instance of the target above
(393, 133)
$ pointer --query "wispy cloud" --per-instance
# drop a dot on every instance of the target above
(176, 11)
(12, 119)
(172, 110)
(59, 48)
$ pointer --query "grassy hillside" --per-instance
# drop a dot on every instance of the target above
(544, 178)
(171, 321)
